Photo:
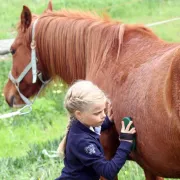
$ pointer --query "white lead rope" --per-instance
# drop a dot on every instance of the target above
(162, 22)
(18, 112)
(50, 154)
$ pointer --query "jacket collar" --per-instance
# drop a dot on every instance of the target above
(78, 127)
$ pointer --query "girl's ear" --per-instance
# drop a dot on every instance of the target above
(78, 115)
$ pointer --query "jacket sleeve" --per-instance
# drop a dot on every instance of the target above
(89, 154)
(106, 124)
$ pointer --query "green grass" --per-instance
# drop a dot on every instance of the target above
(22, 139)
(34, 165)
(15, 140)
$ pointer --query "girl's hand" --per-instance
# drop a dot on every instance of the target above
(127, 132)
(109, 111)
(127, 129)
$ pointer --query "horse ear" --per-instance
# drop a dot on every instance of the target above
(50, 7)
(26, 18)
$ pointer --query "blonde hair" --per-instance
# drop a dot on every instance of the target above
(80, 96)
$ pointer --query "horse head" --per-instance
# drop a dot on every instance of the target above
(23, 82)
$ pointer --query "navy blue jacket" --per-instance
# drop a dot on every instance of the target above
(84, 157)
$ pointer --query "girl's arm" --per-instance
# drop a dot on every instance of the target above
(106, 124)
(89, 153)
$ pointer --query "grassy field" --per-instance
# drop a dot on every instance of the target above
(131, 11)
(22, 139)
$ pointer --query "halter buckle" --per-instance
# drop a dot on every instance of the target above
(33, 44)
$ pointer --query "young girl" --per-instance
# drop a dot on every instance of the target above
(84, 156)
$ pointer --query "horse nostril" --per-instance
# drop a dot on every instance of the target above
(12, 101)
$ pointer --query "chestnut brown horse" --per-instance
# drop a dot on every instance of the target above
(138, 71)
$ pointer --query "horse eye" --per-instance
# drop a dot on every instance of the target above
(12, 51)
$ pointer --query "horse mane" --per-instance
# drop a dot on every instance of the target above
(76, 39)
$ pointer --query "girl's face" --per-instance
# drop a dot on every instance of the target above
(93, 117)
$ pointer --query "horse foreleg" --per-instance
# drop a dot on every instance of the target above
(150, 176)
(110, 143)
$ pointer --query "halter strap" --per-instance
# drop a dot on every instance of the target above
(21, 76)
(33, 53)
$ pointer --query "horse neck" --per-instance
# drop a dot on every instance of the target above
(70, 47)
